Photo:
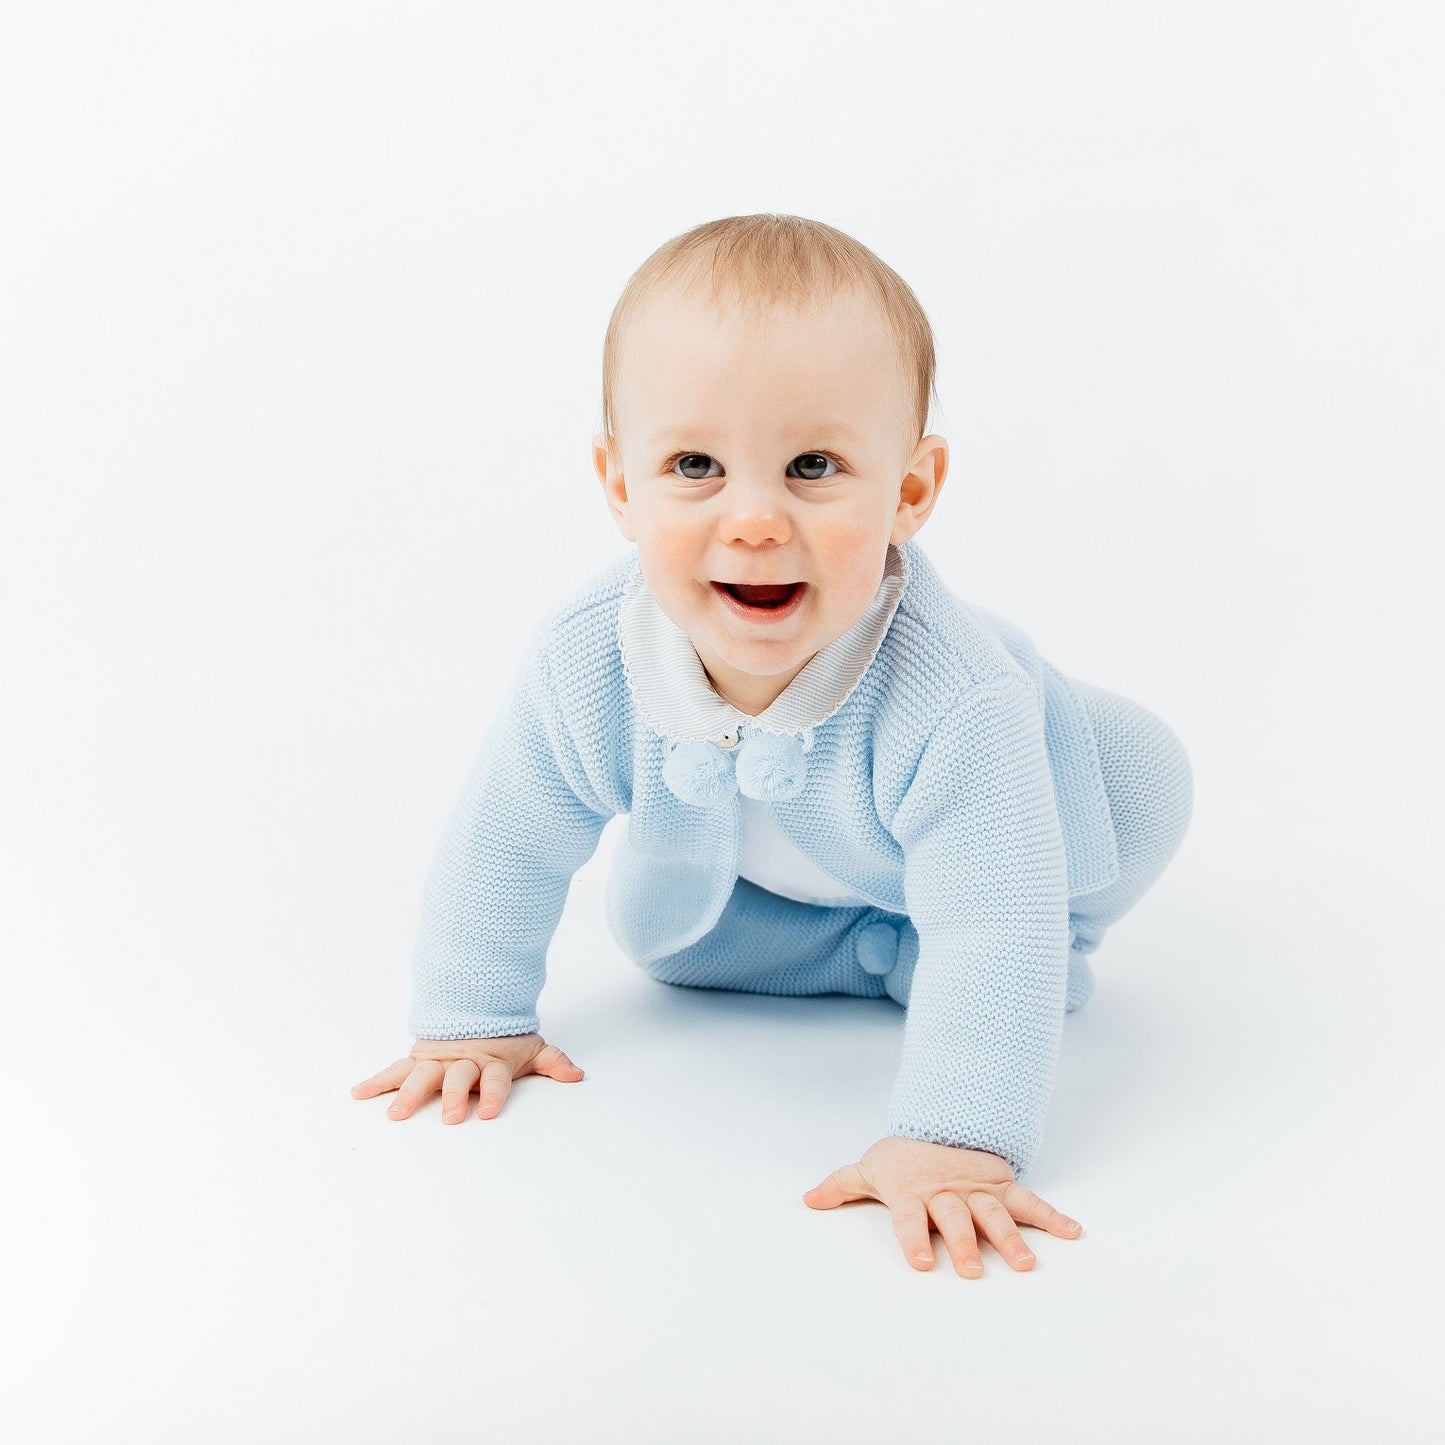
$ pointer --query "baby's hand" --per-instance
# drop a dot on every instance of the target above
(956, 1186)
(457, 1066)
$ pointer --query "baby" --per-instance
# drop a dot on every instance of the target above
(840, 778)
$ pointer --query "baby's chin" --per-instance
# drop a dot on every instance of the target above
(763, 657)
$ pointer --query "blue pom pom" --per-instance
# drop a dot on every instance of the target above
(771, 767)
(701, 774)
(877, 948)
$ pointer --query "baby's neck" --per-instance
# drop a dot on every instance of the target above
(752, 695)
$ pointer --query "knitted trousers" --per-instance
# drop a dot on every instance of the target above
(765, 943)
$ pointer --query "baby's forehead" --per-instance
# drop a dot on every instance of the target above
(695, 361)
(759, 306)
(688, 337)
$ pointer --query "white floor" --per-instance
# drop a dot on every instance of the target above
(217, 1242)
(297, 391)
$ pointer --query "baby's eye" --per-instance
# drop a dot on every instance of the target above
(812, 460)
(693, 459)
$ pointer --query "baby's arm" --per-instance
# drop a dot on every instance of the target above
(985, 880)
(525, 822)
(502, 871)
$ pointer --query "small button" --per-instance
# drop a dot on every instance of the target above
(729, 739)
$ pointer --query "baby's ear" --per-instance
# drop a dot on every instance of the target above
(920, 487)
(614, 485)
(600, 456)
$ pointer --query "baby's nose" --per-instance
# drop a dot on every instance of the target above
(757, 515)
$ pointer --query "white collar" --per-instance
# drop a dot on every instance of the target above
(671, 687)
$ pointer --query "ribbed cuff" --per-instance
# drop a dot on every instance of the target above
(482, 1026)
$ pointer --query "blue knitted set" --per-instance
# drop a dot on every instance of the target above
(985, 818)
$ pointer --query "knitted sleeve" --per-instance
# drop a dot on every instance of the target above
(500, 878)
(985, 882)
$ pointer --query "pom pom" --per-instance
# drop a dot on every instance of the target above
(771, 767)
(701, 774)
(877, 946)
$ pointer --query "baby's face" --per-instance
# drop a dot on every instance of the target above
(766, 451)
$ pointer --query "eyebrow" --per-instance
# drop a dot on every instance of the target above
(692, 433)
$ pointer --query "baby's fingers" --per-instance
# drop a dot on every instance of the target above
(842, 1186)
(1028, 1208)
(456, 1086)
(384, 1081)
(997, 1223)
(910, 1224)
(496, 1085)
(421, 1084)
(552, 1062)
(955, 1224)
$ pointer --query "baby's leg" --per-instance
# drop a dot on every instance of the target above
(765, 943)
(1150, 788)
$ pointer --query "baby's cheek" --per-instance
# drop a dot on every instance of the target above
(852, 554)
(851, 560)
(667, 561)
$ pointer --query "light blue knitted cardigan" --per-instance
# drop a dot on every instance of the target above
(955, 781)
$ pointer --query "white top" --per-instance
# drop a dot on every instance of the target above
(771, 859)
(681, 702)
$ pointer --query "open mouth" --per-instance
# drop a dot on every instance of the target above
(774, 594)
(770, 600)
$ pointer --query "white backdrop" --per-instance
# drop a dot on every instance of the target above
(300, 332)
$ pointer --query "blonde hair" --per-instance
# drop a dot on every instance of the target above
(761, 261)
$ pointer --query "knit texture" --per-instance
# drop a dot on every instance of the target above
(955, 787)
